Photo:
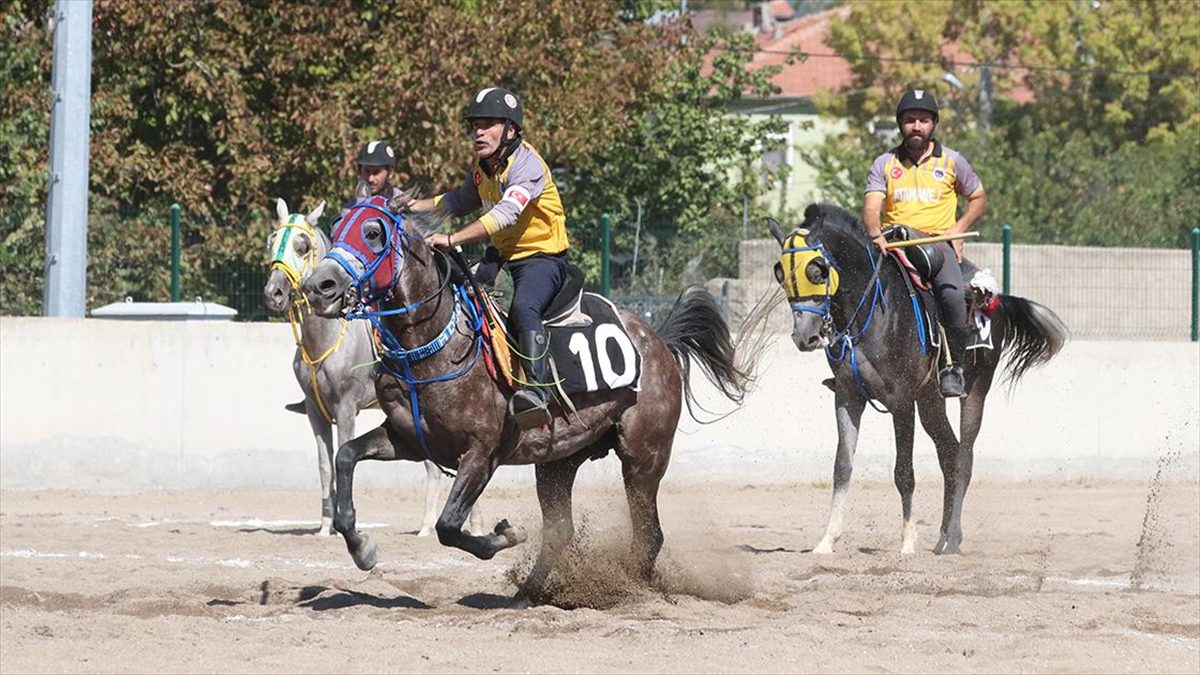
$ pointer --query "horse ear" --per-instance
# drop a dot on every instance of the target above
(776, 230)
(281, 208)
(315, 215)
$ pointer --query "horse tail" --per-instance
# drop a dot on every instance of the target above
(695, 330)
(1034, 335)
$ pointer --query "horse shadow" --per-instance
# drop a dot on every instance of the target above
(287, 532)
(486, 601)
(748, 548)
(344, 599)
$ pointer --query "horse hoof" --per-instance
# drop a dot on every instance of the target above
(425, 532)
(519, 601)
(511, 535)
(366, 554)
(823, 548)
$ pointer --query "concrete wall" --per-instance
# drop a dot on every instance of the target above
(1100, 293)
(104, 405)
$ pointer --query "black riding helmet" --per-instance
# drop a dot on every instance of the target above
(917, 99)
(501, 104)
(498, 103)
(377, 153)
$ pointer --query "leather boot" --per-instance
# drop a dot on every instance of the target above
(950, 378)
(528, 406)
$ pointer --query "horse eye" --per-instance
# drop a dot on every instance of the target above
(301, 245)
(817, 270)
(779, 272)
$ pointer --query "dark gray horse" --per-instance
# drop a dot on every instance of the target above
(334, 360)
(867, 324)
(463, 423)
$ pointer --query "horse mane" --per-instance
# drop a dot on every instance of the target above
(833, 217)
(427, 222)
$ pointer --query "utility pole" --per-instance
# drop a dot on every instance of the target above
(985, 98)
(70, 133)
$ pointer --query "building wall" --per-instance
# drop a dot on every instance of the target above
(805, 131)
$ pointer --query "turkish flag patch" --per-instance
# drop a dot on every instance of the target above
(517, 195)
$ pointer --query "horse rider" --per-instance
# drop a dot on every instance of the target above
(525, 223)
(376, 162)
(917, 184)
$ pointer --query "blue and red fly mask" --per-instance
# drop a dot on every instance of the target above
(381, 256)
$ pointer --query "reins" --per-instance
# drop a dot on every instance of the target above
(299, 306)
(845, 338)
(396, 359)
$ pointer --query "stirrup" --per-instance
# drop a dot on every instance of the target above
(951, 382)
(529, 410)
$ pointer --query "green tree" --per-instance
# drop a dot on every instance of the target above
(224, 105)
(1106, 80)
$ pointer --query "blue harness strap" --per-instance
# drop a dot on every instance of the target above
(397, 360)
(847, 341)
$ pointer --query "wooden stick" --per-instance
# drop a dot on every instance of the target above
(931, 240)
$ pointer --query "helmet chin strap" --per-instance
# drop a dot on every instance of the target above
(504, 149)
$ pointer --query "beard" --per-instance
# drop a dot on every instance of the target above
(915, 144)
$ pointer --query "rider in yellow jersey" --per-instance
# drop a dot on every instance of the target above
(526, 224)
(917, 184)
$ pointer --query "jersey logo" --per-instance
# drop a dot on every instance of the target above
(939, 174)
(897, 172)
(517, 195)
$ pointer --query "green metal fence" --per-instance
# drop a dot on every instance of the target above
(1102, 293)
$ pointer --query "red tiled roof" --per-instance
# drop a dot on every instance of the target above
(807, 34)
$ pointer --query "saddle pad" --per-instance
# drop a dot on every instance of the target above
(596, 356)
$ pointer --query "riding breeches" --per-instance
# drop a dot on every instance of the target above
(536, 280)
(948, 289)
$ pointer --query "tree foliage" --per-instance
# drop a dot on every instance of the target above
(1102, 81)
(224, 105)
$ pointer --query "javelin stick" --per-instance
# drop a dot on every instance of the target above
(931, 240)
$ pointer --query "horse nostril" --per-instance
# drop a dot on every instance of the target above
(327, 287)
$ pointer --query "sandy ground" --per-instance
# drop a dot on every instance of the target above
(1054, 577)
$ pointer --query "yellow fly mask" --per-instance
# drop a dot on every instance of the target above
(804, 270)
(288, 254)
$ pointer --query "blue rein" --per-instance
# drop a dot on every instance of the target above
(843, 338)
(395, 358)
(397, 361)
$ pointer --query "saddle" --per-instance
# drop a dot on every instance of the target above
(920, 265)
(590, 347)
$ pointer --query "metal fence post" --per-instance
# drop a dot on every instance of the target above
(605, 254)
(1006, 237)
(1196, 284)
(175, 291)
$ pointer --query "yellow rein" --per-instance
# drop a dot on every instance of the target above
(300, 307)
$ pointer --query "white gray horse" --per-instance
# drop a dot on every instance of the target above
(334, 361)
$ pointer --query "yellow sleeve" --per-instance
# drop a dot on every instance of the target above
(490, 224)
